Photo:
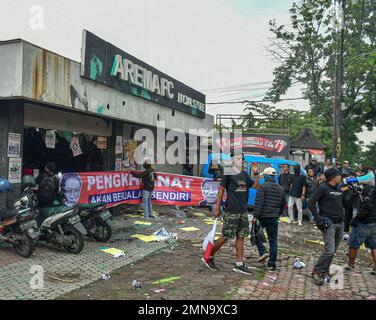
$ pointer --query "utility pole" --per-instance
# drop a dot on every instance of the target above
(338, 77)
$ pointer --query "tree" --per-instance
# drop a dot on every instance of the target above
(369, 156)
(305, 52)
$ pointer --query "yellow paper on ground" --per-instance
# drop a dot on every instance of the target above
(189, 229)
(199, 214)
(363, 247)
(284, 219)
(133, 216)
(145, 238)
(211, 221)
(143, 223)
(112, 251)
(314, 241)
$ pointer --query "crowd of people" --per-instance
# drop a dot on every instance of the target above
(332, 205)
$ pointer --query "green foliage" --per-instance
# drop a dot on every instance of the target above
(369, 156)
(305, 52)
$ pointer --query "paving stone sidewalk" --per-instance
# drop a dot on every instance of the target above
(198, 283)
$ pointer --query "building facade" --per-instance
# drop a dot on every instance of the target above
(84, 115)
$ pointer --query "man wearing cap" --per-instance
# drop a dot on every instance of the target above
(236, 182)
(346, 170)
(314, 166)
(269, 205)
(329, 219)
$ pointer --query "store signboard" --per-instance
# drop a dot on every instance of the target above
(104, 63)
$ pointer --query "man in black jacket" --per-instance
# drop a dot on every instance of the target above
(364, 230)
(329, 220)
(285, 180)
(269, 205)
(148, 178)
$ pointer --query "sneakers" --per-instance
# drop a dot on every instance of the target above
(318, 278)
(346, 236)
(300, 224)
(210, 264)
(272, 269)
(242, 269)
(263, 257)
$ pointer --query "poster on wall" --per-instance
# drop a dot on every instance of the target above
(102, 143)
(14, 145)
(15, 165)
(119, 145)
(75, 146)
(129, 157)
(50, 139)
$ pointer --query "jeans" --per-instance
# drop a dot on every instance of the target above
(146, 201)
(271, 226)
(332, 238)
(299, 206)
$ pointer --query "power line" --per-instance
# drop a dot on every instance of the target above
(254, 101)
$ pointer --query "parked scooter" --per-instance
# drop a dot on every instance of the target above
(58, 224)
(93, 217)
(18, 226)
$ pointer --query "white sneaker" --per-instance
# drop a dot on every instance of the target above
(299, 224)
(289, 221)
(346, 236)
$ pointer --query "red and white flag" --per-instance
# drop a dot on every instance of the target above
(208, 243)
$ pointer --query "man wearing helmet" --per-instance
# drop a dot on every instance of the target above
(269, 205)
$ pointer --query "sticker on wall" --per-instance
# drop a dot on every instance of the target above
(75, 146)
(14, 145)
(15, 170)
(50, 139)
(102, 143)
(118, 165)
(119, 145)
(35, 173)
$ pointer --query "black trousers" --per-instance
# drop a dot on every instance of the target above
(348, 217)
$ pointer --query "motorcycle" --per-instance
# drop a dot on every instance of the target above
(19, 228)
(58, 224)
(94, 217)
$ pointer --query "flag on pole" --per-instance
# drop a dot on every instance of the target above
(208, 243)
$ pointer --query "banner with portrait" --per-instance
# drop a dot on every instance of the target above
(112, 188)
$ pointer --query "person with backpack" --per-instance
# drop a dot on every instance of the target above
(148, 178)
(48, 185)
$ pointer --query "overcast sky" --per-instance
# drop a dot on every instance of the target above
(206, 44)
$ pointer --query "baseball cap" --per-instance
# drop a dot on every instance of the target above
(269, 172)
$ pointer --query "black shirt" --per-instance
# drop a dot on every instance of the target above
(237, 188)
(297, 184)
(285, 181)
(330, 200)
(148, 177)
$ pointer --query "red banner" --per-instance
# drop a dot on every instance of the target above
(113, 188)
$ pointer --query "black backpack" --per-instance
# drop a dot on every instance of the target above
(46, 190)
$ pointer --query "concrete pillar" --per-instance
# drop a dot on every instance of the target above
(11, 120)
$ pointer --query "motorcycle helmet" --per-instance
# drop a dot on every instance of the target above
(28, 181)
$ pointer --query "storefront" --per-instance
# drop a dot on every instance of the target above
(83, 116)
